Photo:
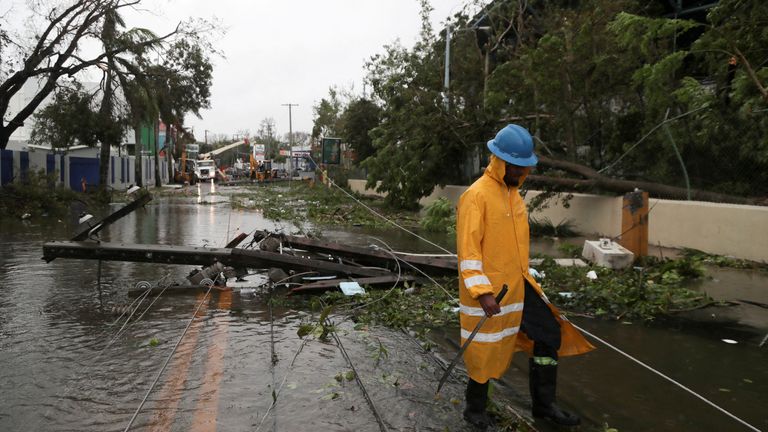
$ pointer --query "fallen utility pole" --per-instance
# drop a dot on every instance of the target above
(368, 256)
(168, 254)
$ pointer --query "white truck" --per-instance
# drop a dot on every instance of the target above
(206, 169)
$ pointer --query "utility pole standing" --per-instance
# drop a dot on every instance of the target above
(290, 142)
(447, 77)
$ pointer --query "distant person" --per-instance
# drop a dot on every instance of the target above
(493, 247)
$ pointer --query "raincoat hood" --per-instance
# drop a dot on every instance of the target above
(496, 169)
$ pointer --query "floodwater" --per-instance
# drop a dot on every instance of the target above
(63, 369)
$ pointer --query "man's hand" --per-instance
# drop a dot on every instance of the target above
(488, 302)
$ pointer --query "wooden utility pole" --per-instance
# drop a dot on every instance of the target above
(290, 142)
(634, 223)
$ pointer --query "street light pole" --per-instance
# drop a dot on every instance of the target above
(447, 78)
(290, 142)
(447, 60)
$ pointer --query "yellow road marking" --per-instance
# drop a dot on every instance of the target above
(207, 407)
(170, 394)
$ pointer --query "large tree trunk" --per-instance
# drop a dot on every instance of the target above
(5, 135)
(596, 181)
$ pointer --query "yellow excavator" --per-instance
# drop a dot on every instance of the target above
(186, 172)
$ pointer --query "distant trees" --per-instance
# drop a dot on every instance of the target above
(267, 135)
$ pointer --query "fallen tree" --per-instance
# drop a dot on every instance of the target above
(595, 181)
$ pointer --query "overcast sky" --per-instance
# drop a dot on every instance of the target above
(282, 51)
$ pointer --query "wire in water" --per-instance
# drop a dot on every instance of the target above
(717, 407)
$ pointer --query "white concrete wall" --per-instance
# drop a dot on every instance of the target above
(723, 229)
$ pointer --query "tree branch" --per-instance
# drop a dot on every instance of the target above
(595, 180)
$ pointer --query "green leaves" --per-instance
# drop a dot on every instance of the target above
(440, 216)
(626, 294)
(652, 36)
(73, 118)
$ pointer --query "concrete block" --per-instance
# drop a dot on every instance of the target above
(564, 262)
(607, 253)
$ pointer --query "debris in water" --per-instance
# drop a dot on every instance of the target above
(154, 342)
(247, 292)
(729, 341)
(351, 288)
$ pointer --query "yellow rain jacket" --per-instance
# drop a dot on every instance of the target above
(493, 244)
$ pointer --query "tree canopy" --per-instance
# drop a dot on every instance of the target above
(51, 46)
(614, 91)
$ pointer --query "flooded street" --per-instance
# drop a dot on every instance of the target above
(61, 368)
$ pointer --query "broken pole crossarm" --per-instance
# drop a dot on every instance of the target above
(95, 225)
(370, 256)
(257, 258)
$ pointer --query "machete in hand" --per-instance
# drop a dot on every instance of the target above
(463, 348)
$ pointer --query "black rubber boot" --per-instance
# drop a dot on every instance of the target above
(477, 398)
(543, 384)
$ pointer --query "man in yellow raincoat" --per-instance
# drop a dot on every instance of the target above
(493, 245)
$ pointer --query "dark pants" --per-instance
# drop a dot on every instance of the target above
(540, 325)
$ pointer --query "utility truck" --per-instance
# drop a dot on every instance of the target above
(206, 169)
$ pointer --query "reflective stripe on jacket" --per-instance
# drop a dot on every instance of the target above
(493, 246)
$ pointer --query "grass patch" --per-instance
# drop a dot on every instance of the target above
(318, 204)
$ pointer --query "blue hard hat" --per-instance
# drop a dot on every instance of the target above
(514, 145)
